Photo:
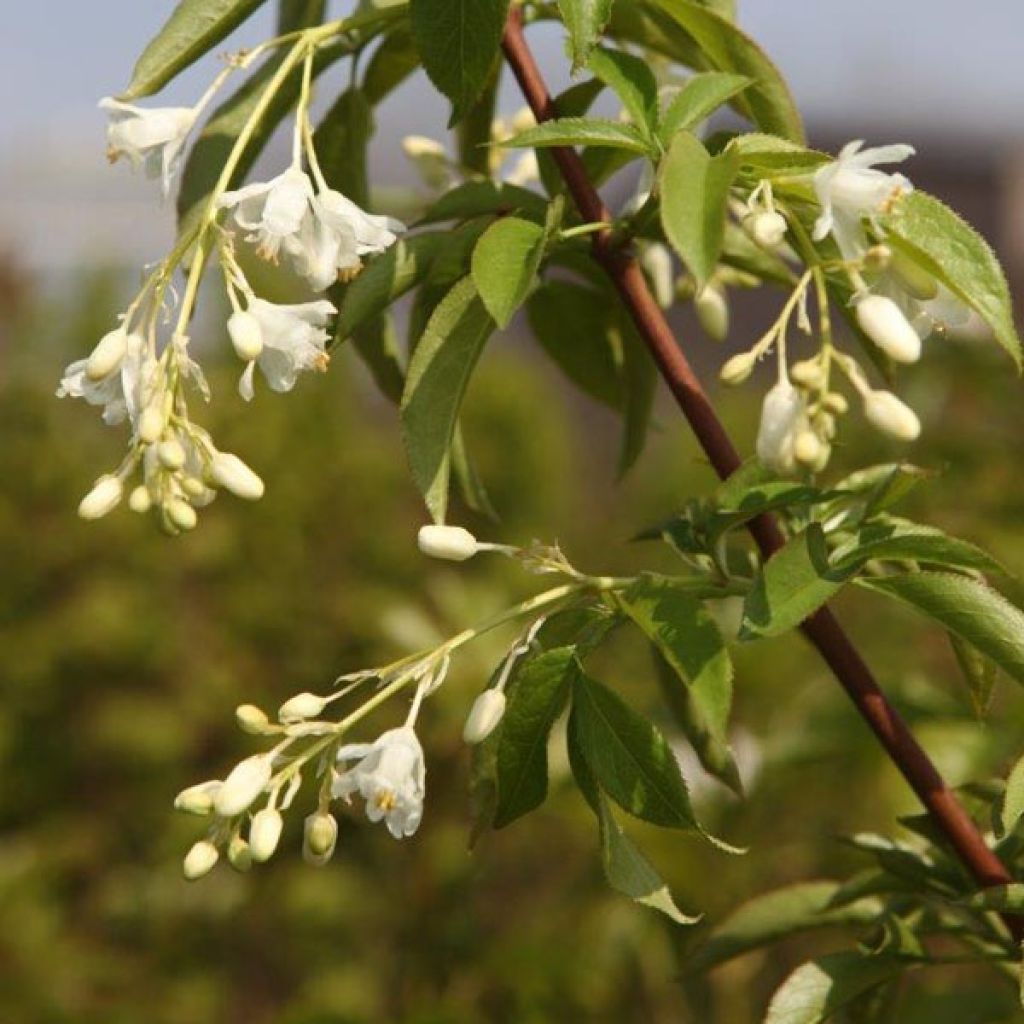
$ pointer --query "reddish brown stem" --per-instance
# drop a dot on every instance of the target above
(822, 628)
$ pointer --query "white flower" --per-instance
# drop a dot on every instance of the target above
(272, 211)
(782, 415)
(525, 170)
(850, 188)
(882, 320)
(293, 340)
(107, 376)
(243, 785)
(153, 139)
(452, 543)
(390, 777)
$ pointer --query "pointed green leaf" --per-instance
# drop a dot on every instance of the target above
(632, 81)
(639, 383)
(585, 21)
(700, 96)
(505, 263)
(581, 131)
(1008, 898)
(1011, 809)
(473, 198)
(377, 345)
(296, 14)
(341, 141)
(438, 375)
(390, 64)
(980, 673)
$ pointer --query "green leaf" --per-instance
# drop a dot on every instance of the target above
(773, 916)
(628, 871)
(536, 697)
(694, 191)
(582, 131)
(296, 14)
(629, 757)
(193, 29)
(632, 81)
(639, 381)
(953, 252)
(1011, 808)
(473, 132)
(793, 584)
(505, 263)
(965, 606)
(341, 140)
(585, 21)
(768, 156)
(818, 989)
(724, 47)
(699, 97)
(474, 198)
(458, 43)
(1009, 898)
(980, 673)
(436, 383)
(390, 64)
(470, 486)
(377, 345)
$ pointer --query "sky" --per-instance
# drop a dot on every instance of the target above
(911, 71)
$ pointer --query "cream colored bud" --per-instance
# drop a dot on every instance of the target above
(251, 719)
(737, 369)
(200, 860)
(836, 403)
(826, 424)
(484, 716)
(450, 542)
(807, 447)
(103, 498)
(319, 837)
(914, 278)
(230, 472)
(198, 799)
(300, 708)
(417, 146)
(181, 514)
(522, 119)
(140, 500)
(246, 335)
(657, 262)
(712, 312)
(151, 424)
(886, 412)
(884, 323)
(806, 372)
(171, 453)
(781, 413)
(107, 355)
(877, 258)
(239, 853)
(245, 783)
(766, 228)
(194, 487)
(265, 833)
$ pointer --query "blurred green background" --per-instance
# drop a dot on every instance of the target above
(123, 654)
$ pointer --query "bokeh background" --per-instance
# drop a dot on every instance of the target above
(123, 653)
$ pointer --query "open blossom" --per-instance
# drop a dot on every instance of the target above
(109, 377)
(850, 188)
(153, 139)
(272, 211)
(293, 339)
(390, 776)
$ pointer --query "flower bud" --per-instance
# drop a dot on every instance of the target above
(886, 412)
(484, 716)
(836, 403)
(450, 542)
(807, 448)
(181, 514)
(712, 312)
(416, 146)
(251, 719)
(884, 323)
(103, 497)
(247, 780)
(914, 278)
(737, 369)
(230, 472)
(151, 424)
(826, 424)
(171, 453)
(197, 799)
(239, 853)
(140, 500)
(806, 372)
(319, 837)
(657, 262)
(878, 257)
(246, 335)
(300, 707)
(200, 860)
(766, 228)
(265, 833)
(780, 414)
(107, 355)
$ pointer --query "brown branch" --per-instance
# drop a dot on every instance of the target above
(822, 628)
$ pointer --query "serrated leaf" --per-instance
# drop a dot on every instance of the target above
(341, 140)
(698, 98)
(951, 250)
(438, 375)
(694, 192)
(773, 916)
(980, 673)
(768, 156)
(818, 989)
(458, 43)
(193, 29)
(474, 198)
(581, 131)
(585, 21)
(505, 263)
(793, 584)
(724, 47)
(632, 81)
(965, 606)
(536, 697)
(629, 757)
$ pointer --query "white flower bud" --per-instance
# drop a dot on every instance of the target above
(484, 716)
(300, 707)
(265, 833)
(766, 228)
(103, 497)
(886, 412)
(251, 719)
(780, 415)
(712, 312)
(836, 403)
(151, 424)
(415, 146)
(247, 780)
(239, 853)
(140, 499)
(181, 514)
(657, 262)
(319, 837)
(198, 799)
(884, 323)
(807, 448)
(107, 355)
(878, 257)
(246, 335)
(737, 369)
(230, 472)
(171, 453)
(450, 542)
(200, 860)
(806, 372)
